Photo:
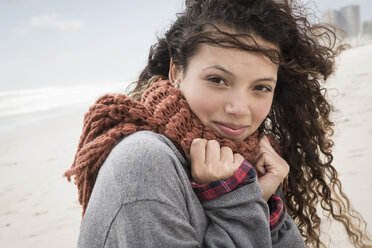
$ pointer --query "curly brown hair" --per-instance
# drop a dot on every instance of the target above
(300, 114)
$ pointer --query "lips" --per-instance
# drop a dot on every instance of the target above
(231, 130)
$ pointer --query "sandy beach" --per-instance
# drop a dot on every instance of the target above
(39, 208)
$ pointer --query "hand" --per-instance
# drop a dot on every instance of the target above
(270, 167)
(210, 163)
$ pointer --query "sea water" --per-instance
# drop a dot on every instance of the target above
(18, 107)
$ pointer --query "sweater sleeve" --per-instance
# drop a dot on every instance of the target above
(244, 175)
(141, 199)
(241, 219)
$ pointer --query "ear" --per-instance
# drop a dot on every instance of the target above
(175, 73)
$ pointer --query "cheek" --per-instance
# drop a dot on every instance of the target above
(260, 111)
(203, 107)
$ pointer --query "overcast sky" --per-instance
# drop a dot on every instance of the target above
(51, 43)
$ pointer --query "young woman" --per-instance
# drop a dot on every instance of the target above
(225, 140)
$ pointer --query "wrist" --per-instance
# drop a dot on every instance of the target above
(268, 185)
(244, 175)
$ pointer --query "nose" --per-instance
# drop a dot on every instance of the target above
(238, 105)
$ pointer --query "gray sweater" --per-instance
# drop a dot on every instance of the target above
(143, 198)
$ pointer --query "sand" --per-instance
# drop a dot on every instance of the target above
(39, 208)
(351, 92)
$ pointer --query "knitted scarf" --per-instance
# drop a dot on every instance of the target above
(163, 110)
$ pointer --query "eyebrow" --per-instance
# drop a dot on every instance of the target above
(218, 68)
(271, 79)
(266, 79)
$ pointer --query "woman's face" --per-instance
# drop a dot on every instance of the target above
(229, 90)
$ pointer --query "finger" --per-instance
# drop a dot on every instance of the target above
(261, 150)
(237, 162)
(259, 165)
(226, 155)
(272, 165)
(267, 149)
(238, 159)
(197, 151)
(212, 152)
(265, 143)
(264, 149)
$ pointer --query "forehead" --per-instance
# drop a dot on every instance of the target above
(233, 59)
(235, 43)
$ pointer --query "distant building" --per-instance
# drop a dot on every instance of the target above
(331, 16)
(347, 19)
(350, 20)
(367, 28)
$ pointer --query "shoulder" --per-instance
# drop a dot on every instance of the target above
(144, 146)
(144, 164)
(144, 173)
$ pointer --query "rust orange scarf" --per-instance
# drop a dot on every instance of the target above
(162, 109)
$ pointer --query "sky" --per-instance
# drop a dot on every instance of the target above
(48, 43)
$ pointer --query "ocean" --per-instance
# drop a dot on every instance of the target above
(18, 107)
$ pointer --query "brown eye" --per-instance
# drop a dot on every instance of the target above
(217, 80)
(262, 88)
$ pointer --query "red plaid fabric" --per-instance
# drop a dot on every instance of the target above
(244, 175)
(277, 211)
